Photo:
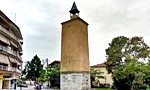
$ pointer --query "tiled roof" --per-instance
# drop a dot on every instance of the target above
(98, 65)
(54, 62)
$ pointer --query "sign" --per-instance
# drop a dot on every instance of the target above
(1, 76)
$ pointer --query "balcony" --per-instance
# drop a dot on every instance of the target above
(18, 70)
(10, 51)
(3, 48)
(3, 68)
(8, 33)
(18, 56)
(11, 69)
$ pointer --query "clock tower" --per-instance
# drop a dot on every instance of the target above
(75, 69)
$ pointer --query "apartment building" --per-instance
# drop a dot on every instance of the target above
(10, 52)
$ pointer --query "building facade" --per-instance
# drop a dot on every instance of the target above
(107, 77)
(10, 52)
(74, 66)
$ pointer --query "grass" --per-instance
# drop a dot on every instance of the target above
(103, 89)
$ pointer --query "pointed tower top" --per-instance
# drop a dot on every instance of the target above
(74, 9)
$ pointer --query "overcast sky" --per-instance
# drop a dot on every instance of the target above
(40, 24)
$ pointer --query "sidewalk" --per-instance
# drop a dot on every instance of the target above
(25, 88)
(32, 88)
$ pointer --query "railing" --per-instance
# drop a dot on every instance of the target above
(3, 48)
(19, 56)
(12, 69)
(4, 30)
(18, 70)
(6, 49)
(11, 35)
(11, 51)
(8, 33)
(4, 68)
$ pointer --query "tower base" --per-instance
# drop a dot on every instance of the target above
(75, 81)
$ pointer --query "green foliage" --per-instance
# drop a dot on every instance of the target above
(51, 74)
(33, 68)
(125, 57)
(43, 76)
(131, 76)
(122, 50)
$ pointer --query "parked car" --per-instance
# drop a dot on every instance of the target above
(22, 85)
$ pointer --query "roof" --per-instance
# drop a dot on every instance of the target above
(54, 63)
(98, 65)
(74, 9)
(77, 18)
(11, 23)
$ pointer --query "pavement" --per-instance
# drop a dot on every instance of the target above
(32, 88)
(26, 88)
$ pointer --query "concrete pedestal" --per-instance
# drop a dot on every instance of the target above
(75, 81)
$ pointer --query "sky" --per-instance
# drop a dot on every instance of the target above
(40, 24)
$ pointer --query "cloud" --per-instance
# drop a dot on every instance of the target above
(39, 22)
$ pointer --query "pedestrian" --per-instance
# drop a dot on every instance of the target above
(36, 86)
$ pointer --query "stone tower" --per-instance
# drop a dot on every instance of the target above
(75, 53)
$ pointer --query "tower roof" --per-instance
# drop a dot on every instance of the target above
(74, 9)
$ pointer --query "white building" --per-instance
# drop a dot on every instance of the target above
(10, 52)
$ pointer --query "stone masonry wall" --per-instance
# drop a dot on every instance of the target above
(75, 81)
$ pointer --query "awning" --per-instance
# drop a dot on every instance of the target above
(4, 39)
(4, 59)
(18, 63)
(15, 45)
(12, 60)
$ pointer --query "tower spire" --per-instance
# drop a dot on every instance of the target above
(74, 9)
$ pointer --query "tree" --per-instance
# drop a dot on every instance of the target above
(43, 76)
(33, 68)
(122, 50)
(54, 74)
(125, 57)
(51, 74)
(28, 70)
(132, 76)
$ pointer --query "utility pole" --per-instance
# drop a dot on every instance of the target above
(47, 62)
(47, 69)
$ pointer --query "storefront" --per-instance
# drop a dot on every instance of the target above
(7, 83)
